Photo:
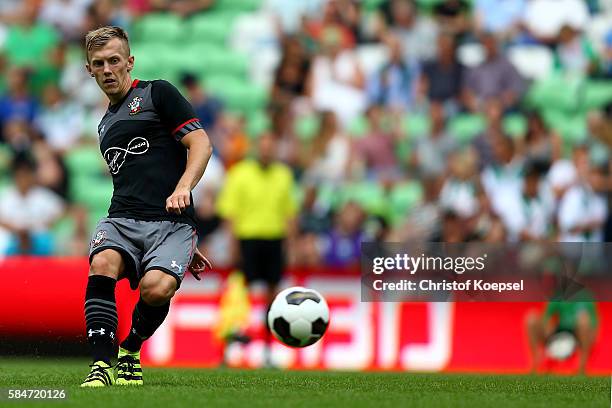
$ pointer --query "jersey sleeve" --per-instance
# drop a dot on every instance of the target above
(173, 109)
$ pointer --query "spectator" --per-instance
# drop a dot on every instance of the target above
(495, 78)
(582, 211)
(416, 32)
(540, 144)
(607, 56)
(66, 16)
(207, 107)
(337, 82)
(326, 160)
(527, 214)
(394, 84)
(289, 79)
(17, 103)
(333, 19)
(27, 211)
(574, 53)
(454, 16)
(341, 246)
(501, 179)
(431, 152)
(376, 150)
(423, 222)
(442, 77)
(183, 8)
(61, 122)
(29, 38)
(484, 142)
(461, 189)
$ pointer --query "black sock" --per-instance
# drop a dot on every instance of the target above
(101, 316)
(145, 320)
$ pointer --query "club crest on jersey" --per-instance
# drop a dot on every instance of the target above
(135, 105)
(98, 239)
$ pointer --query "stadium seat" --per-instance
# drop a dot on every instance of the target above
(597, 94)
(515, 125)
(358, 127)
(257, 123)
(402, 198)
(306, 127)
(160, 28)
(416, 126)
(470, 54)
(238, 95)
(210, 28)
(85, 161)
(93, 192)
(237, 5)
(558, 91)
(369, 195)
(532, 61)
(571, 127)
(466, 126)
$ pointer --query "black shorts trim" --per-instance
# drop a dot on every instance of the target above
(165, 270)
(130, 265)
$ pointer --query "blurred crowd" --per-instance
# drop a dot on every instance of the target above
(362, 101)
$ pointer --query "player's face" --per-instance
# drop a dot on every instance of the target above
(111, 66)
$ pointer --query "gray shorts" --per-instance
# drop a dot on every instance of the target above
(145, 245)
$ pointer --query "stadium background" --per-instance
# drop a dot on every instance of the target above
(386, 139)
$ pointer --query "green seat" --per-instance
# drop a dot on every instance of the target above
(159, 28)
(210, 28)
(257, 123)
(93, 192)
(597, 94)
(237, 95)
(307, 127)
(367, 194)
(571, 127)
(358, 127)
(465, 127)
(237, 5)
(416, 126)
(403, 197)
(515, 125)
(556, 92)
(85, 161)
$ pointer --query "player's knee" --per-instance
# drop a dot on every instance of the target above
(157, 294)
(101, 264)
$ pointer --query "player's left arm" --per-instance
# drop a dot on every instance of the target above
(178, 115)
(200, 151)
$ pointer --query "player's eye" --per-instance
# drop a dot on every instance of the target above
(114, 60)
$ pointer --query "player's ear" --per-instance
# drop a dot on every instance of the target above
(88, 68)
(130, 65)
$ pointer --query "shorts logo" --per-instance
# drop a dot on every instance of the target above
(98, 239)
(135, 105)
(115, 156)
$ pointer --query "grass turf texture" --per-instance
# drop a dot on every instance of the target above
(312, 389)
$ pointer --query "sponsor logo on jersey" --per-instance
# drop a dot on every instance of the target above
(116, 156)
(135, 105)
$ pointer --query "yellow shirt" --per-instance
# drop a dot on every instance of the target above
(258, 201)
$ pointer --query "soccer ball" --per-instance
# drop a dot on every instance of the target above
(298, 317)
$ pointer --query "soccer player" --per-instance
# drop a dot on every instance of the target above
(149, 235)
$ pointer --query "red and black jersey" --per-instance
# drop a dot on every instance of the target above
(140, 141)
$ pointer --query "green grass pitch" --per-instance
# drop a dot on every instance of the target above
(209, 388)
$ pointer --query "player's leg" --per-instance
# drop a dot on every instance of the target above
(166, 261)
(585, 333)
(156, 290)
(535, 333)
(101, 314)
(272, 270)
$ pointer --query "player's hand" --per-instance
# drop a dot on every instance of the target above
(178, 201)
(198, 264)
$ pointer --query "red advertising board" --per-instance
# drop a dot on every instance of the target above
(44, 297)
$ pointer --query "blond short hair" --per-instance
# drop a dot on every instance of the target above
(98, 38)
